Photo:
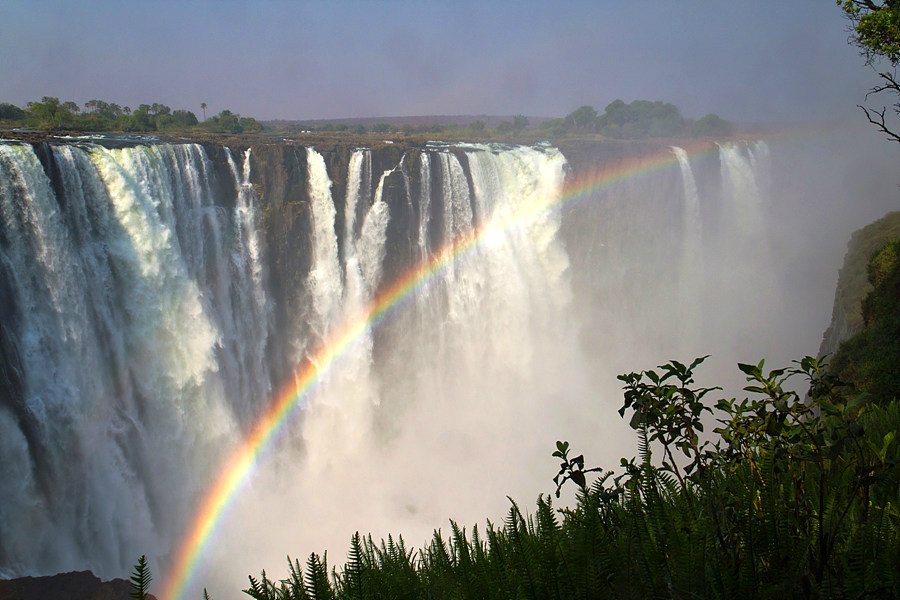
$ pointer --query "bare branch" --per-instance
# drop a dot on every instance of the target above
(891, 85)
(878, 121)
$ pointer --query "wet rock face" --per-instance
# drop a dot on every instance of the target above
(77, 585)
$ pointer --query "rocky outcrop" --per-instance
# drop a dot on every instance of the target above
(77, 585)
(853, 284)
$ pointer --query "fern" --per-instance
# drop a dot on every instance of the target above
(140, 580)
(317, 585)
(261, 589)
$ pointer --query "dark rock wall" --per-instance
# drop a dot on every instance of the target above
(77, 585)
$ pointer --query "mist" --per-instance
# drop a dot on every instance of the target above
(462, 410)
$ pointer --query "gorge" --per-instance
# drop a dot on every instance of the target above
(431, 318)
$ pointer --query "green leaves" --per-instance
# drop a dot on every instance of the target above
(570, 469)
(666, 404)
(796, 495)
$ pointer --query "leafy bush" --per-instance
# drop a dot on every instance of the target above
(796, 496)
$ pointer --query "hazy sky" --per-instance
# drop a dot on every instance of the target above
(748, 61)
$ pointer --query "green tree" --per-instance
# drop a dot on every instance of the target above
(640, 119)
(554, 126)
(875, 30)
(48, 114)
(712, 125)
(203, 108)
(583, 118)
(11, 112)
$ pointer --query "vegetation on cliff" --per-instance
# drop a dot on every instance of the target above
(50, 114)
(853, 280)
(871, 358)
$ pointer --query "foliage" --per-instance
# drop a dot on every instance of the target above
(795, 495)
(637, 120)
(11, 111)
(853, 280)
(50, 114)
(870, 359)
(712, 125)
(229, 122)
(875, 30)
(640, 119)
(140, 580)
(876, 27)
(583, 118)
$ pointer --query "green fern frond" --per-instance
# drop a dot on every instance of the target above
(140, 579)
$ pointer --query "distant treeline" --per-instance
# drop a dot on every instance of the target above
(50, 114)
(638, 120)
(472, 128)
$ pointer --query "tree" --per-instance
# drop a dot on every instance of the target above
(875, 30)
(11, 111)
(583, 118)
(203, 108)
(140, 580)
(712, 125)
(640, 119)
(48, 114)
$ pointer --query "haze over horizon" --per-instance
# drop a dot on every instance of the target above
(344, 59)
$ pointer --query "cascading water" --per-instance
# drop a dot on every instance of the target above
(139, 313)
(133, 299)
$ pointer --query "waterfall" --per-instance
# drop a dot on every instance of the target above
(143, 308)
(134, 299)
(741, 188)
(424, 204)
(370, 246)
(324, 282)
(691, 268)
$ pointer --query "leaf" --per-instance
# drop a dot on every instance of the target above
(855, 401)
(750, 370)
(697, 361)
(578, 478)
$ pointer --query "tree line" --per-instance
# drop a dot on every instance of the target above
(640, 119)
(51, 114)
(637, 120)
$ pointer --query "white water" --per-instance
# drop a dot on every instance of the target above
(136, 305)
(144, 321)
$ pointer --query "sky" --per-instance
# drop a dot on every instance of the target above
(747, 61)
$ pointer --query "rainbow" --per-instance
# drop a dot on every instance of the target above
(241, 462)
